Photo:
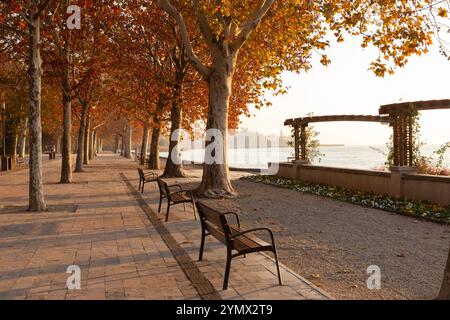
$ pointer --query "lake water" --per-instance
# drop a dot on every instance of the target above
(358, 157)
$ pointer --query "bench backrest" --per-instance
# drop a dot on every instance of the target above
(141, 172)
(163, 188)
(215, 223)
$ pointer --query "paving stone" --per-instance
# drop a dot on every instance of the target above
(124, 249)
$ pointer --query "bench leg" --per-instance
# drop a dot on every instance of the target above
(278, 267)
(227, 270)
(168, 209)
(202, 245)
(193, 208)
(160, 201)
(143, 184)
(140, 183)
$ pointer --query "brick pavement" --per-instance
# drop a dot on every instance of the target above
(99, 224)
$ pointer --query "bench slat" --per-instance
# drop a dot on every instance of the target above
(247, 241)
(179, 197)
(212, 215)
(215, 223)
(162, 187)
(216, 233)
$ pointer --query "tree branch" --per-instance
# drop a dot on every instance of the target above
(13, 29)
(43, 6)
(204, 25)
(248, 26)
(173, 12)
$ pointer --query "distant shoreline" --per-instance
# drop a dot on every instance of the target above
(332, 145)
(165, 148)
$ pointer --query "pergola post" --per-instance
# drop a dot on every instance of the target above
(402, 124)
(401, 117)
(410, 141)
(304, 142)
(296, 142)
(396, 140)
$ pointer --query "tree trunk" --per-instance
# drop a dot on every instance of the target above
(216, 180)
(36, 186)
(93, 150)
(23, 140)
(87, 141)
(128, 140)
(445, 288)
(66, 141)
(95, 144)
(57, 143)
(153, 162)
(66, 153)
(144, 146)
(116, 144)
(15, 143)
(81, 134)
(121, 146)
(174, 169)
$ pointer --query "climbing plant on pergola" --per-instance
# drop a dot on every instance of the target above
(400, 116)
(402, 122)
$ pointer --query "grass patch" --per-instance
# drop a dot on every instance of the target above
(416, 209)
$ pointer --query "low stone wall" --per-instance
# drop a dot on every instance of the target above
(361, 180)
(434, 189)
(402, 182)
(286, 170)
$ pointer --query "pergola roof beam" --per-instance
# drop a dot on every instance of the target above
(360, 118)
(416, 105)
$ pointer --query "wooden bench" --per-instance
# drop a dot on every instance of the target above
(174, 197)
(215, 223)
(138, 159)
(146, 178)
(21, 162)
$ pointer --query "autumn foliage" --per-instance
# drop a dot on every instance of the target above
(165, 65)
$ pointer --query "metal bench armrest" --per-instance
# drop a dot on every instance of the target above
(254, 230)
(181, 192)
(154, 175)
(236, 215)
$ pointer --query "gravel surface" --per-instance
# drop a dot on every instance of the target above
(332, 243)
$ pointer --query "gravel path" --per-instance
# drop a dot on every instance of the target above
(332, 243)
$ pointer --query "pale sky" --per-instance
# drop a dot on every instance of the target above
(347, 87)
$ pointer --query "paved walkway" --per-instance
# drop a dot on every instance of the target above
(123, 248)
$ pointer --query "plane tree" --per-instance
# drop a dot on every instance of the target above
(20, 29)
(280, 36)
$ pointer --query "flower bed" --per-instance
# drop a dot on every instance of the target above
(421, 210)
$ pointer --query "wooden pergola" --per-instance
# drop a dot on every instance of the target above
(399, 116)
(300, 125)
(402, 120)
